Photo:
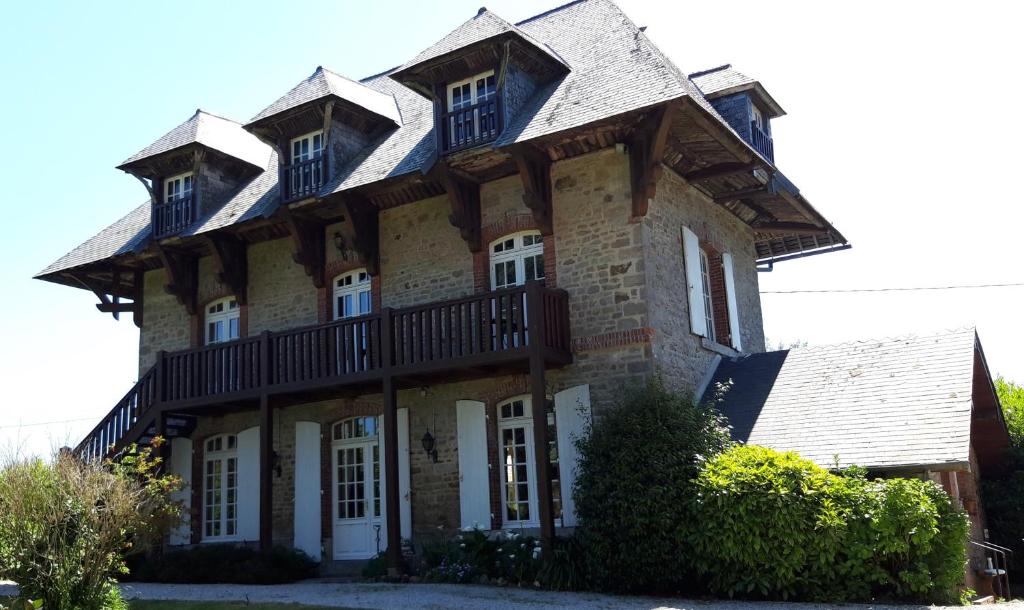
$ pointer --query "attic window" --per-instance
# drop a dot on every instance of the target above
(306, 172)
(177, 211)
(472, 112)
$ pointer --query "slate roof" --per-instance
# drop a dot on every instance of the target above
(482, 26)
(323, 83)
(725, 79)
(121, 237)
(889, 403)
(615, 69)
(212, 131)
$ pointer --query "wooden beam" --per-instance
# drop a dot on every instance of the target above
(115, 308)
(266, 477)
(720, 170)
(464, 199)
(182, 270)
(535, 171)
(747, 193)
(365, 219)
(230, 263)
(795, 228)
(139, 287)
(728, 140)
(308, 238)
(646, 150)
(110, 295)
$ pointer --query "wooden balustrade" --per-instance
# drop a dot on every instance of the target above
(475, 331)
(173, 216)
(304, 178)
(762, 142)
(469, 126)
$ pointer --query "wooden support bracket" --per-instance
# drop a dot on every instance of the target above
(182, 269)
(464, 198)
(365, 218)
(646, 149)
(308, 238)
(110, 294)
(535, 171)
(231, 262)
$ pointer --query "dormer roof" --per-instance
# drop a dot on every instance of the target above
(726, 80)
(209, 130)
(324, 84)
(483, 27)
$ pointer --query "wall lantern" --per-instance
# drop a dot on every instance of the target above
(430, 445)
(341, 245)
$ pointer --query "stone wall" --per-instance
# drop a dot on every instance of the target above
(680, 355)
(281, 295)
(165, 323)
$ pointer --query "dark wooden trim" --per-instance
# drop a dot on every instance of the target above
(139, 288)
(231, 263)
(308, 237)
(720, 170)
(365, 219)
(266, 473)
(747, 193)
(182, 269)
(646, 150)
(464, 198)
(791, 227)
(542, 458)
(534, 168)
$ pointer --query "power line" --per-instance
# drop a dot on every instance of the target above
(898, 289)
(50, 423)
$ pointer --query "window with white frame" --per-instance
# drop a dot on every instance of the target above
(220, 488)
(305, 174)
(358, 465)
(223, 319)
(516, 259)
(479, 121)
(517, 471)
(705, 282)
(758, 118)
(178, 187)
(352, 294)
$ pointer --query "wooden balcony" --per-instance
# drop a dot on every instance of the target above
(762, 142)
(172, 217)
(470, 126)
(474, 336)
(303, 179)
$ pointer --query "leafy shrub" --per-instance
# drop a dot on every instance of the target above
(377, 567)
(65, 524)
(636, 473)
(563, 567)
(776, 525)
(225, 563)
(472, 554)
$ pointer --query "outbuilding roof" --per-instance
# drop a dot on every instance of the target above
(212, 131)
(886, 404)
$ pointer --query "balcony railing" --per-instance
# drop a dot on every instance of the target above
(304, 178)
(762, 142)
(469, 126)
(173, 216)
(493, 328)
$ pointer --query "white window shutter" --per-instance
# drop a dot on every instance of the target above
(730, 299)
(249, 484)
(404, 494)
(474, 484)
(572, 421)
(307, 488)
(181, 465)
(694, 288)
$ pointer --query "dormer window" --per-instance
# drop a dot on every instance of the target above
(472, 112)
(178, 209)
(305, 173)
(760, 133)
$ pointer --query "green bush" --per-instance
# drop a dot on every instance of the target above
(225, 563)
(65, 525)
(563, 567)
(635, 478)
(472, 554)
(775, 525)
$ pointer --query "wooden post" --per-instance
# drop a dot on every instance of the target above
(535, 311)
(393, 516)
(266, 472)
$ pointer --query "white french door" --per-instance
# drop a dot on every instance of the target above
(358, 485)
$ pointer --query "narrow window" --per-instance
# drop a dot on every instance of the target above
(222, 321)
(306, 171)
(518, 472)
(178, 187)
(705, 279)
(220, 488)
(472, 110)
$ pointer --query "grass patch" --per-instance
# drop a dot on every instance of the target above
(176, 605)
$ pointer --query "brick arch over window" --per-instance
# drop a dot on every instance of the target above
(333, 414)
(506, 226)
(325, 294)
(197, 321)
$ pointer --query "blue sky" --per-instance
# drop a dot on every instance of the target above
(903, 129)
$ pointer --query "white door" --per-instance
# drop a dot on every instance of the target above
(358, 485)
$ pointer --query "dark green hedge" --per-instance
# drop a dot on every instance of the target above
(223, 563)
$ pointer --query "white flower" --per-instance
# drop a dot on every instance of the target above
(463, 545)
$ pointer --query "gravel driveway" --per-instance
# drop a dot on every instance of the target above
(388, 596)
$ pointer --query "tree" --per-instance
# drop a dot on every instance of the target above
(1011, 397)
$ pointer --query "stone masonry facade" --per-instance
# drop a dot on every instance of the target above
(627, 303)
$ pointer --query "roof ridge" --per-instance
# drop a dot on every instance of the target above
(890, 339)
(218, 116)
(548, 12)
(710, 70)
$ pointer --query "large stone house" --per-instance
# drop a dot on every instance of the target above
(387, 306)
